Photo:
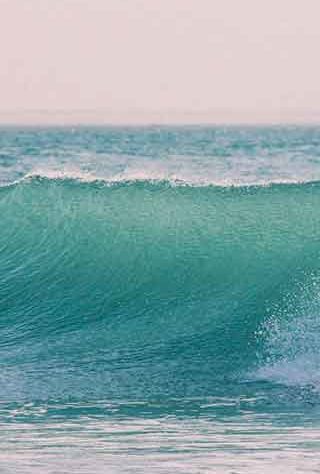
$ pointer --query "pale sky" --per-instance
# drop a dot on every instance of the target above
(159, 60)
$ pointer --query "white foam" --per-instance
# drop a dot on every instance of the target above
(300, 371)
(136, 175)
(291, 340)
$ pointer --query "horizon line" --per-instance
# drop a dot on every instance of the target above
(164, 117)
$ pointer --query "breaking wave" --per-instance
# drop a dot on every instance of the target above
(144, 288)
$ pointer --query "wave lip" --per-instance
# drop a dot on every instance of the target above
(80, 176)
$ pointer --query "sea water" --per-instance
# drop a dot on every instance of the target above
(160, 300)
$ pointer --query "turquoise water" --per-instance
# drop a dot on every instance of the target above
(159, 300)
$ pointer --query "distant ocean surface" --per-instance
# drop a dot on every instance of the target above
(160, 300)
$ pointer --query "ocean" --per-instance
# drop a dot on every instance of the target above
(160, 300)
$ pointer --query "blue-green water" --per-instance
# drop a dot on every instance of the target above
(159, 300)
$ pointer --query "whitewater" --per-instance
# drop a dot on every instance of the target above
(159, 299)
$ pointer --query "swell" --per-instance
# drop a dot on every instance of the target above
(144, 287)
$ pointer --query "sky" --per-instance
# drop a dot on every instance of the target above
(159, 60)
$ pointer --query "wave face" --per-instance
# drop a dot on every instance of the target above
(145, 288)
(142, 285)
